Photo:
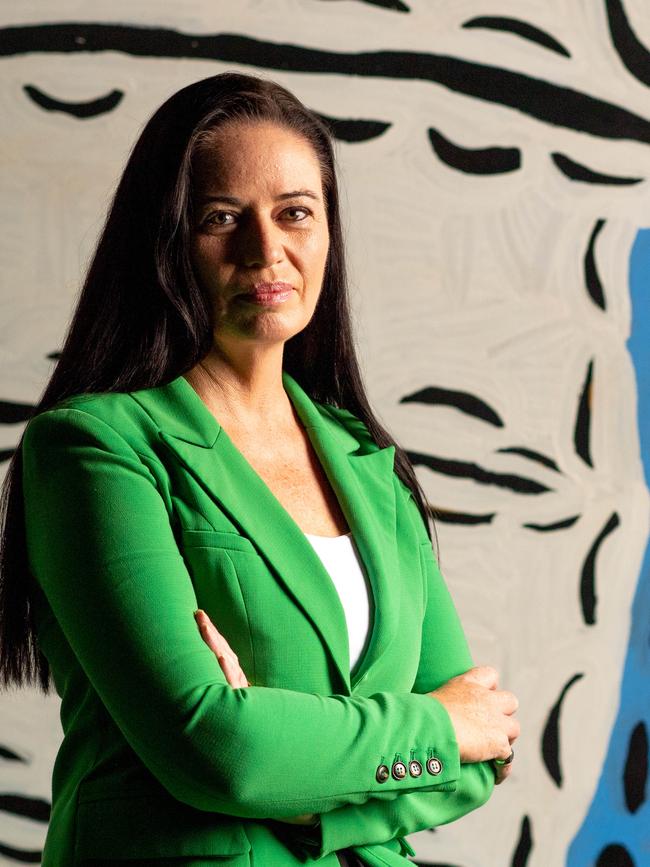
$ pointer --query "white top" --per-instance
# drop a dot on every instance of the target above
(341, 559)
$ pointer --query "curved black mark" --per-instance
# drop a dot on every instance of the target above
(582, 428)
(10, 755)
(577, 172)
(6, 454)
(524, 845)
(533, 455)
(588, 596)
(353, 130)
(461, 400)
(30, 808)
(551, 735)
(21, 856)
(430, 863)
(81, 110)
(12, 412)
(615, 855)
(633, 54)
(445, 516)
(395, 5)
(557, 525)
(465, 470)
(546, 101)
(635, 774)
(483, 161)
(594, 286)
(519, 28)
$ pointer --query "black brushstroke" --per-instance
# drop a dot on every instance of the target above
(633, 54)
(465, 470)
(26, 807)
(80, 110)
(592, 279)
(524, 844)
(615, 855)
(533, 455)
(6, 454)
(10, 755)
(21, 856)
(635, 774)
(444, 516)
(588, 596)
(349, 130)
(394, 5)
(483, 161)
(519, 28)
(557, 525)
(577, 172)
(13, 412)
(468, 403)
(429, 863)
(543, 100)
(581, 432)
(551, 735)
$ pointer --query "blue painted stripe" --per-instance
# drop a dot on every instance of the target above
(608, 821)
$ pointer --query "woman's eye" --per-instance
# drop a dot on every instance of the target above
(218, 218)
(303, 211)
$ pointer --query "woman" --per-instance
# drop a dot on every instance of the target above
(204, 440)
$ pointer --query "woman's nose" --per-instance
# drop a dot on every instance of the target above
(261, 242)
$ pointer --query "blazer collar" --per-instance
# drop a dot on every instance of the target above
(361, 476)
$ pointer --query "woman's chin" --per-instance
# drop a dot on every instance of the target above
(265, 325)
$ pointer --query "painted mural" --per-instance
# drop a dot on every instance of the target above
(495, 164)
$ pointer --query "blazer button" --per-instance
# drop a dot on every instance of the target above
(415, 768)
(434, 766)
(399, 770)
(382, 773)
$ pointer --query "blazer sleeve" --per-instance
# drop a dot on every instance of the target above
(444, 654)
(101, 546)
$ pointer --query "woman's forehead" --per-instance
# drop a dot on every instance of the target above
(255, 154)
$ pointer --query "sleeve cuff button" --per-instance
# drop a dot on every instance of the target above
(399, 770)
(382, 773)
(434, 766)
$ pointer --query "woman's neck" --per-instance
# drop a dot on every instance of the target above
(243, 398)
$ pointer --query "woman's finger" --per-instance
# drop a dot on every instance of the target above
(503, 771)
(509, 701)
(234, 675)
(211, 635)
(485, 675)
(226, 657)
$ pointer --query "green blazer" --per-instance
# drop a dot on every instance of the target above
(138, 510)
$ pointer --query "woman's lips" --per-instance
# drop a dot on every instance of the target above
(268, 293)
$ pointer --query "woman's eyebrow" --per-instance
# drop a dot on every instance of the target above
(233, 200)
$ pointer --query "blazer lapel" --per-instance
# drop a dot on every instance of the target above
(361, 477)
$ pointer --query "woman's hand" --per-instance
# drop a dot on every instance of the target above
(482, 716)
(228, 659)
(235, 676)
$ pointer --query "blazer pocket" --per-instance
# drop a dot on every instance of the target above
(209, 556)
(217, 539)
(156, 827)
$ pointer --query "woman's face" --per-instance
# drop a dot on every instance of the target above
(260, 217)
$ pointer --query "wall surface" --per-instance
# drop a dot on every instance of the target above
(494, 159)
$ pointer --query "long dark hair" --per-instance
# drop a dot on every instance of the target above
(141, 318)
